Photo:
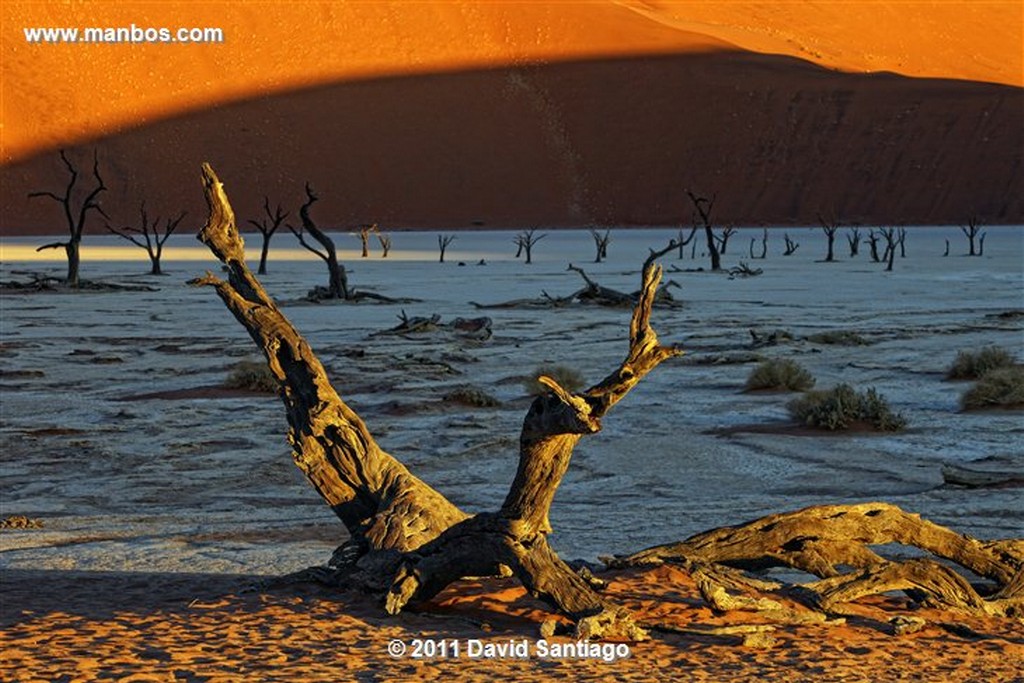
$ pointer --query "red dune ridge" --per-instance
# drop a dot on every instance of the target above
(509, 114)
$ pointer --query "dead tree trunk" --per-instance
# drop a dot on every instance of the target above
(946, 253)
(853, 239)
(764, 246)
(75, 218)
(526, 239)
(601, 244)
(406, 536)
(981, 244)
(891, 241)
(442, 244)
(364, 237)
(723, 239)
(830, 228)
(151, 233)
(683, 241)
(337, 279)
(703, 206)
(409, 542)
(791, 246)
(824, 540)
(385, 244)
(971, 232)
(873, 244)
(267, 227)
(902, 241)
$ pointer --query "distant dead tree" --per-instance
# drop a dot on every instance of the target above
(75, 216)
(152, 233)
(337, 282)
(601, 244)
(791, 246)
(972, 231)
(364, 236)
(892, 239)
(902, 241)
(442, 243)
(703, 206)
(853, 239)
(723, 239)
(764, 245)
(830, 228)
(873, 243)
(681, 241)
(526, 239)
(946, 253)
(267, 227)
(981, 244)
(385, 244)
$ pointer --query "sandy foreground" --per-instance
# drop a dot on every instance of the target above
(203, 627)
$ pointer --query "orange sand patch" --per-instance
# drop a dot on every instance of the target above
(93, 626)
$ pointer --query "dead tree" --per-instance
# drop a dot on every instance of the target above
(385, 244)
(152, 233)
(791, 246)
(406, 539)
(75, 217)
(442, 244)
(683, 241)
(826, 539)
(891, 242)
(901, 240)
(853, 239)
(946, 253)
(723, 239)
(764, 245)
(981, 244)
(364, 236)
(601, 244)
(407, 542)
(337, 282)
(873, 244)
(526, 239)
(830, 228)
(267, 227)
(972, 230)
(703, 207)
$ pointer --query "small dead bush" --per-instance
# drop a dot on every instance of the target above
(250, 375)
(570, 379)
(780, 374)
(842, 407)
(999, 388)
(471, 396)
(976, 364)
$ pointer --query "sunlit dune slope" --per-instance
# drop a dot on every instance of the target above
(456, 114)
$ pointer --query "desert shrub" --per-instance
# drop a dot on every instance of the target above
(838, 338)
(570, 379)
(780, 374)
(998, 388)
(975, 364)
(842, 407)
(471, 396)
(251, 375)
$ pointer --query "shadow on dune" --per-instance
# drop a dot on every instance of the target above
(605, 141)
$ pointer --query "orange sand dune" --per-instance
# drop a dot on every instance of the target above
(455, 113)
(149, 627)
